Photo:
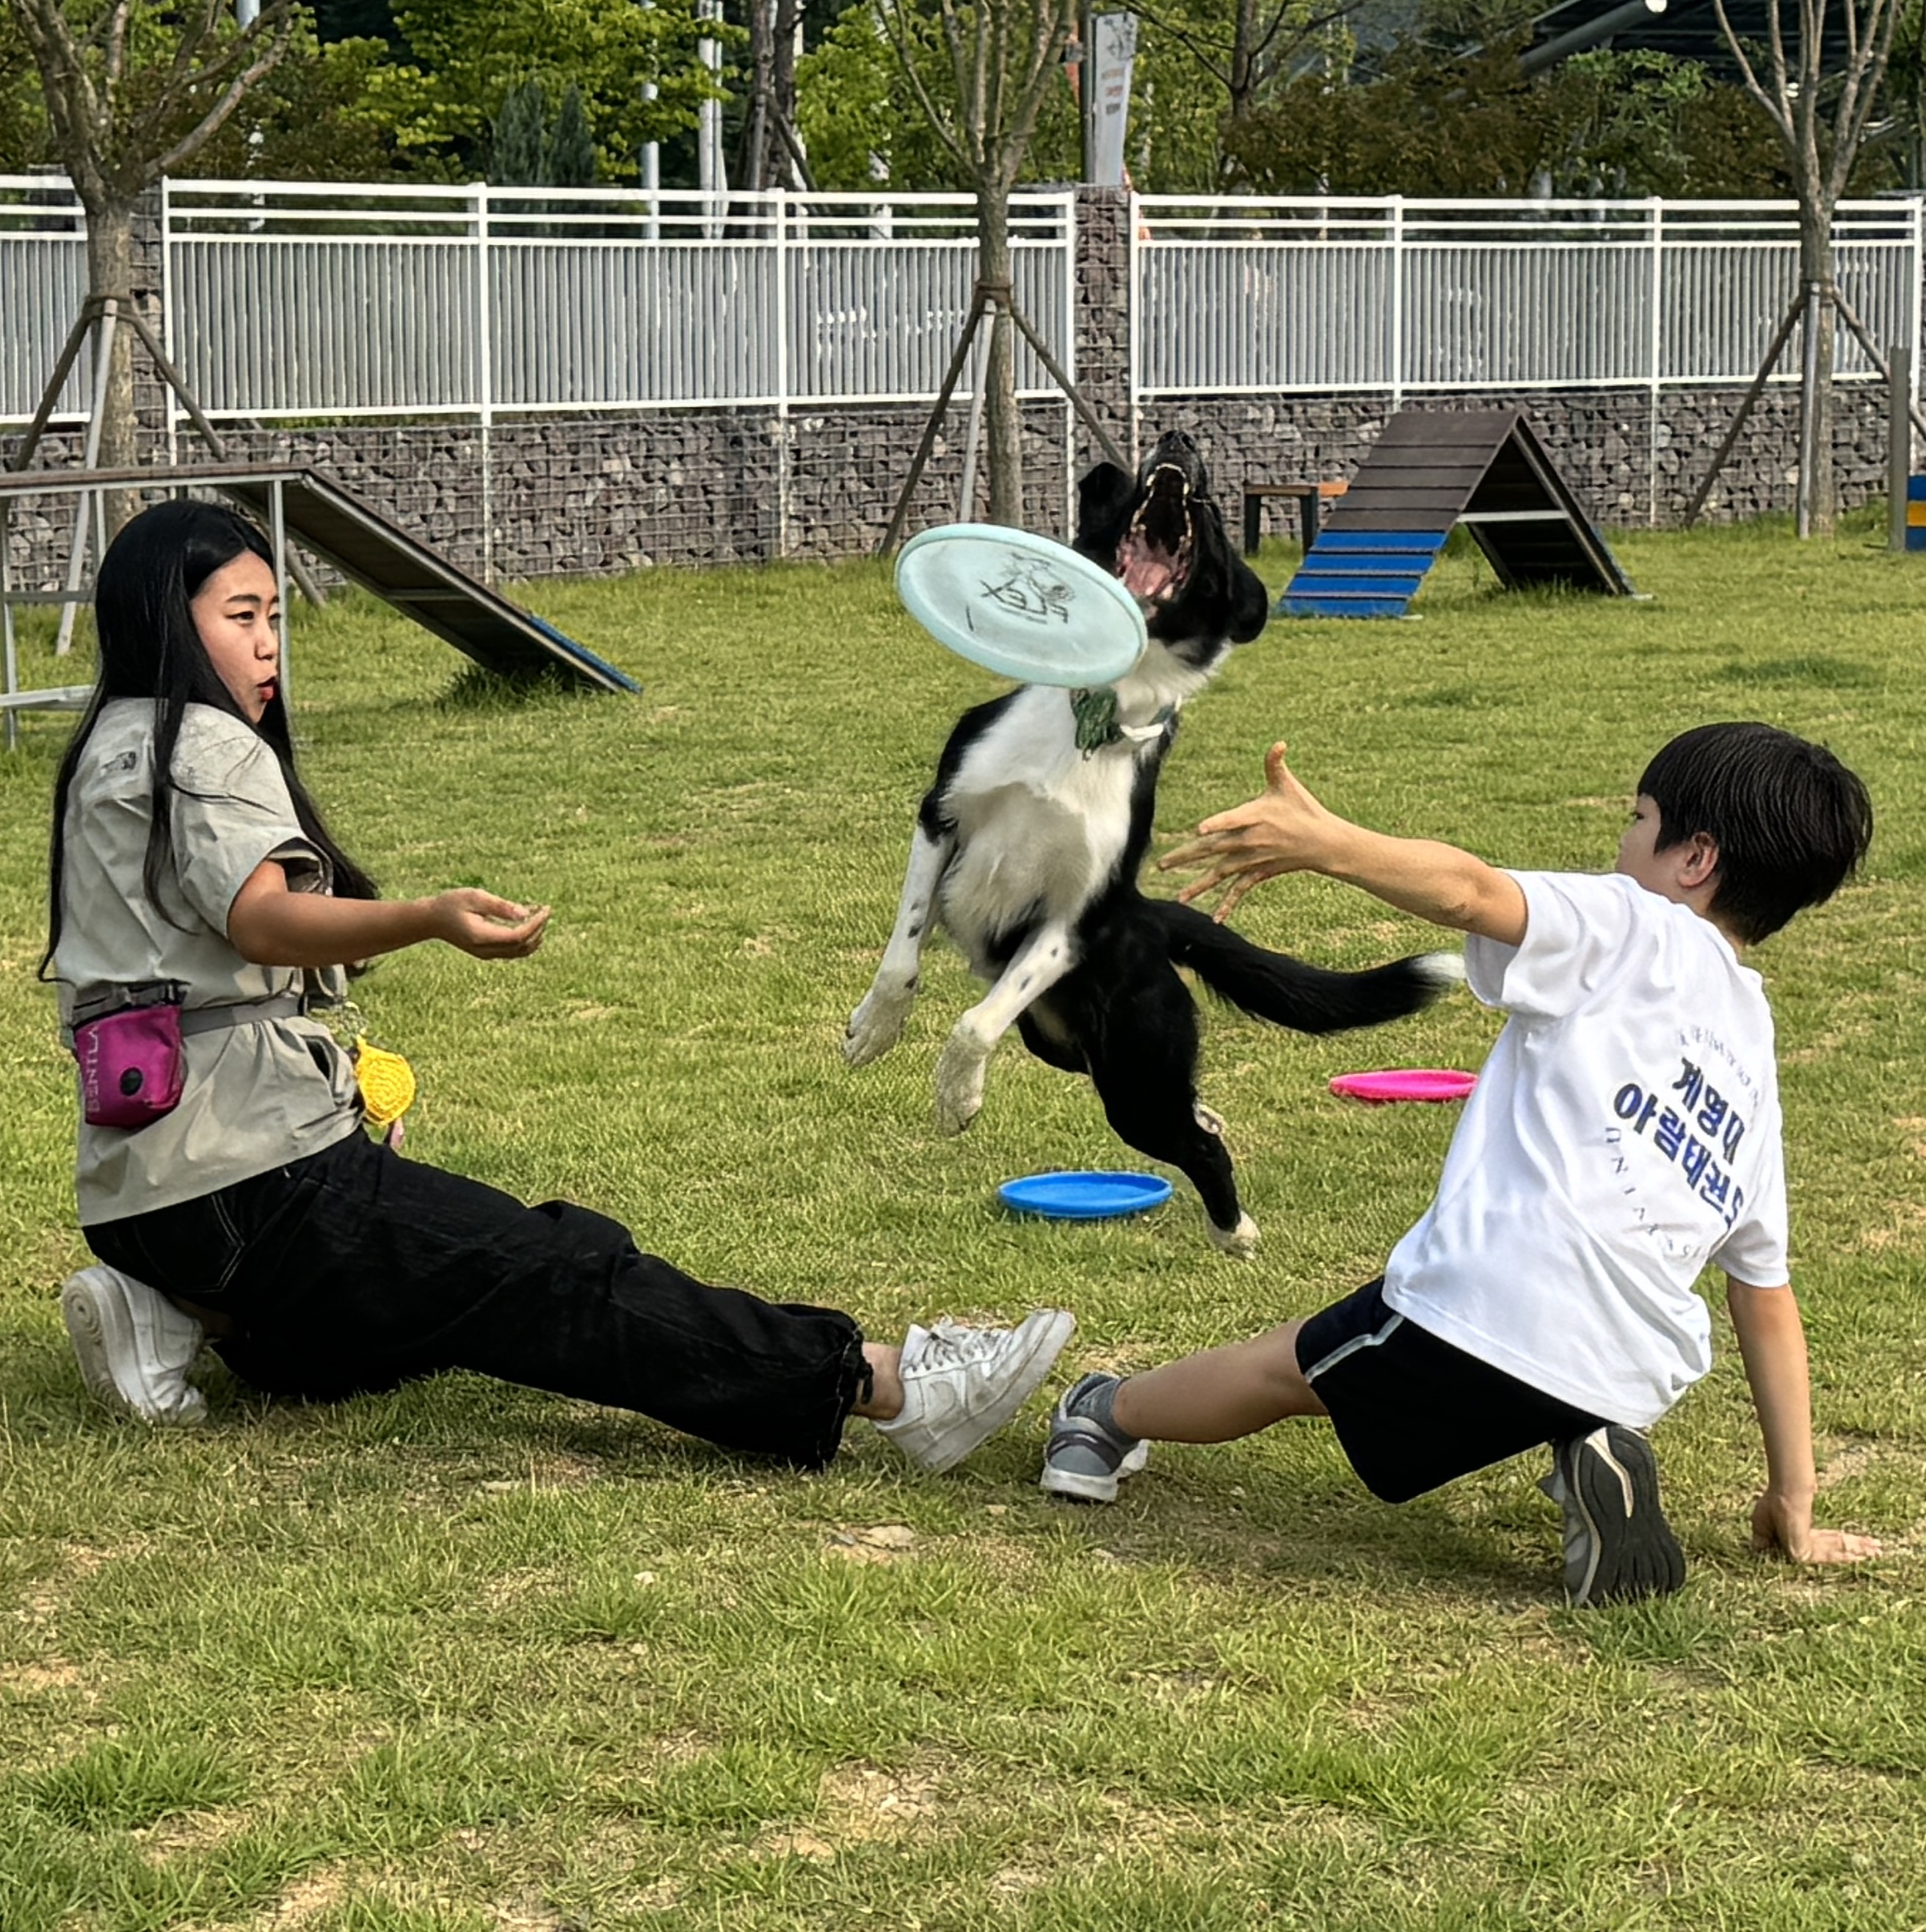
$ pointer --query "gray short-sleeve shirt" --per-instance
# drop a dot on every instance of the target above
(257, 1095)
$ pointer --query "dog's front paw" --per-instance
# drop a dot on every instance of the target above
(959, 1080)
(878, 1023)
(1239, 1242)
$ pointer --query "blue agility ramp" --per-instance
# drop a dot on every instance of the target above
(1431, 469)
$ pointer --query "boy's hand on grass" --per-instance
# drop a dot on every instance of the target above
(1274, 833)
(1783, 1528)
(485, 927)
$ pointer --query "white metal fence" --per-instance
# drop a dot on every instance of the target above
(286, 301)
(1269, 295)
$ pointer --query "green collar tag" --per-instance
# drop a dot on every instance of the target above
(1098, 725)
(1095, 713)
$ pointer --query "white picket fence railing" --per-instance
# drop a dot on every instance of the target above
(1268, 295)
(285, 302)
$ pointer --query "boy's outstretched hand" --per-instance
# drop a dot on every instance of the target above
(1781, 1528)
(1280, 830)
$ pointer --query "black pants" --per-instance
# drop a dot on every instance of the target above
(356, 1270)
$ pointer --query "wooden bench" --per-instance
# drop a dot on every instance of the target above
(1310, 497)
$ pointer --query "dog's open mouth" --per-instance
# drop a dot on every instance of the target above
(1153, 559)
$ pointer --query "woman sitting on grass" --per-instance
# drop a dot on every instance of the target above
(192, 874)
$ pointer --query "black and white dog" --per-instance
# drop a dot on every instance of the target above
(1028, 846)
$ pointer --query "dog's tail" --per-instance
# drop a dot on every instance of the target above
(1275, 987)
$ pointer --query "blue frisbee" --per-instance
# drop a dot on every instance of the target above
(1084, 1197)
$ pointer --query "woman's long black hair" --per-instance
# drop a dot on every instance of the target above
(149, 647)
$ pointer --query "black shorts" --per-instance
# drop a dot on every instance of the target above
(1412, 1412)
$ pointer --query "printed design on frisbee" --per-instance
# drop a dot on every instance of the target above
(1027, 592)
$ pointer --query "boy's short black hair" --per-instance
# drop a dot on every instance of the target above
(1791, 822)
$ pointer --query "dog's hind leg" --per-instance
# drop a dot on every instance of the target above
(1040, 962)
(876, 1024)
(1145, 1067)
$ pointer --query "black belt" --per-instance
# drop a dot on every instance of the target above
(215, 1018)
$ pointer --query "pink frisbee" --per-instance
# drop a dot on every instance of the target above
(1405, 1083)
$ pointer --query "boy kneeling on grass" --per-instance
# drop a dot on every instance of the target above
(1624, 1131)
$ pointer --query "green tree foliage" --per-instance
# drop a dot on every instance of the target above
(859, 119)
(518, 137)
(325, 114)
(1905, 98)
(1177, 108)
(1432, 123)
(571, 156)
(530, 146)
(23, 143)
(469, 53)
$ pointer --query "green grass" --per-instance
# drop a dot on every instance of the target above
(468, 1658)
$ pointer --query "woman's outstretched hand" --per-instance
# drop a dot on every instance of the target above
(1277, 832)
(485, 927)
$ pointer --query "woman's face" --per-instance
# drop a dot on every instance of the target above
(237, 612)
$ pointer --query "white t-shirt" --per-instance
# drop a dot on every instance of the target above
(1624, 1131)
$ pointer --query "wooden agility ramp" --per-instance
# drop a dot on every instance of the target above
(1431, 469)
(296, 504)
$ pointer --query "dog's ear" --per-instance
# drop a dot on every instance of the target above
(1103, 501)
(1250, 603)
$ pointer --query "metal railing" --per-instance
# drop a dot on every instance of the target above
(1322, 296)
(329, 300)
(337, 300)
(43, 282)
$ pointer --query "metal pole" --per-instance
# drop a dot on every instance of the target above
(1849, 317)
(1086, 87)
(1744, 409)
(966, 504)
(710, 176)
(1808, 411)
(77, 560)
(1899, 440)
(897, 517)
(12, 663)
(1104, 442)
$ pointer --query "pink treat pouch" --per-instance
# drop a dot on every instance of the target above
(131, 1065)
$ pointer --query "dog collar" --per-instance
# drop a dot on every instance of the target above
(1098, 724)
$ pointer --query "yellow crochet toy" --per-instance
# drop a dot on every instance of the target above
(386, 1080)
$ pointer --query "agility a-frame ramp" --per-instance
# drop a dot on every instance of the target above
(298, 505)
(1431, 469)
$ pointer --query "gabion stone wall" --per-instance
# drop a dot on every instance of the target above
(1102, 331)
(1630, 463)
(523, 498)
(580, 495)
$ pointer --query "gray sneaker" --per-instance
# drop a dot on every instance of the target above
(134, 1346)
(1085, 1460)
(1618, 1548)
(961, 1385)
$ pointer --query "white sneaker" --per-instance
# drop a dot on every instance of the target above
(134, 1346)
(961, 1385)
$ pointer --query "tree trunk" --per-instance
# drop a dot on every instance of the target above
(1818, 482)
(1003, 424)
(1241, 84)
(110, 272)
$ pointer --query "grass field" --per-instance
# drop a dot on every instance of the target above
(468, 1657)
